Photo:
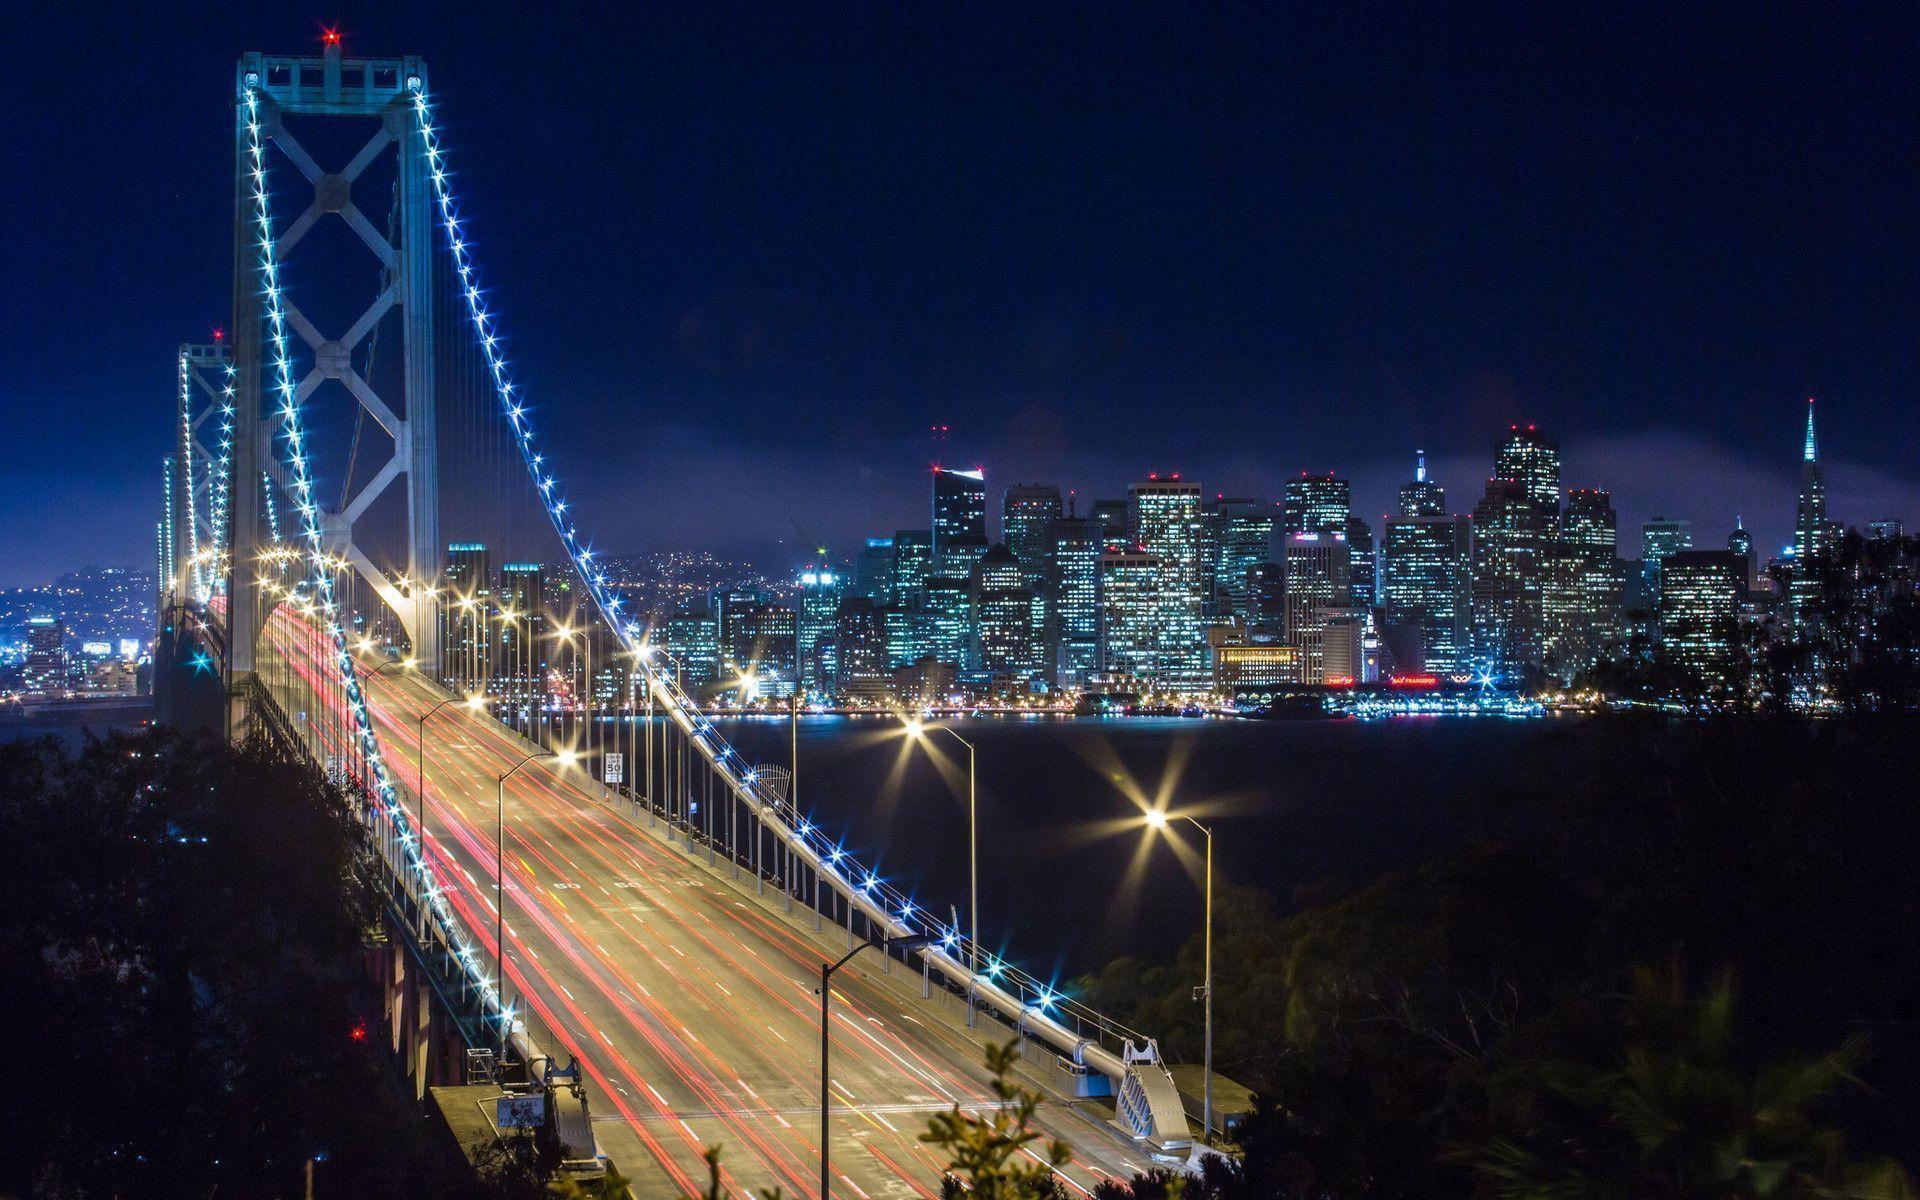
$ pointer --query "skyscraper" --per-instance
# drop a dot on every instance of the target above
(1422, 497)
(1166, 519)
(1512, 533)
(1129, 624)
(863, 671)
(691, 635)
(1741, 542)
(1585, 587)
(1006, 629)
(44, 672)
(873, 572)
(1660, 537)
(469, 597)
(959, 520)
(1812, 534)
(1240, 536)
(1529, 459)
(1362, 572)
(522, 668)
(1077, 545)
(821, 590)
(1319, 579)
(1700, 596)
(1028, 512)
(1316, 503)
(948, 622)
(912, 563)
(1427, 587)
(1116, 519)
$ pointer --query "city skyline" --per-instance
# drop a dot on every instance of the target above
(793, 339)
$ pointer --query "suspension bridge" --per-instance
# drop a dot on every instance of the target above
(594, 896)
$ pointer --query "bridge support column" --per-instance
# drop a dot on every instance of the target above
(382, 91)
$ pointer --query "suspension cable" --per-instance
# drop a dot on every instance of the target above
(848, 874)
(321, 581)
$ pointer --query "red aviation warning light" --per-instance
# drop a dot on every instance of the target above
(330, 36)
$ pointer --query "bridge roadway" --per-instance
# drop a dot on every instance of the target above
(690, 1001)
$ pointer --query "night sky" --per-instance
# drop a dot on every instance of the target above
(747, 254)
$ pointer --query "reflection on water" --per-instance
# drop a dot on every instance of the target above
(1067, 877)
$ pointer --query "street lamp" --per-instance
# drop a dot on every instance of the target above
(1158, 818)
(474, 704)
(918, 730)
(911, 942)
(564, 758)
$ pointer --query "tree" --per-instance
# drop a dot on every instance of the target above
(987, 1157)
(1672, 1111)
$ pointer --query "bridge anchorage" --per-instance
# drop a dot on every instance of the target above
(442, 698)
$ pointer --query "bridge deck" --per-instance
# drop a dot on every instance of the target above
(690, 1000)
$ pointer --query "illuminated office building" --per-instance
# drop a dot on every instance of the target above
(1240, 536)
(1701, 592)
(947, 626)
(821, 590)
(1422, 497)
(1427, 588)
(1512, 541)
(1530, 460)
(1316, 504)
(1166, 519)
(959, 520)
(1362, 565)
(1813, 535)
(44, 672)
(1585, 587)
(1028, 512)
(1006, 636)
(1660, 537)
(864, 671)
(1075, 612)
(906, 630)
(912, 563)
(521, 626)
(1129, 623)
(691, 638)
(469, 598)
(873, 571)
(1318, 581)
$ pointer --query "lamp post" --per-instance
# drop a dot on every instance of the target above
(912, 942)
(474, 704)
(564, 758)
(916, 729)
(1158, 819)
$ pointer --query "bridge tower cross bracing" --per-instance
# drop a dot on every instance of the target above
(330, 88)
(200, 403)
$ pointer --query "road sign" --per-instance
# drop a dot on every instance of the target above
(614, 769)
(527, 1111)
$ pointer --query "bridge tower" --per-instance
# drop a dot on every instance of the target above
(332, 89)
(199, 496)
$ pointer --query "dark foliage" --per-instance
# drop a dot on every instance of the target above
(1386, 1029)
(182, 963)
